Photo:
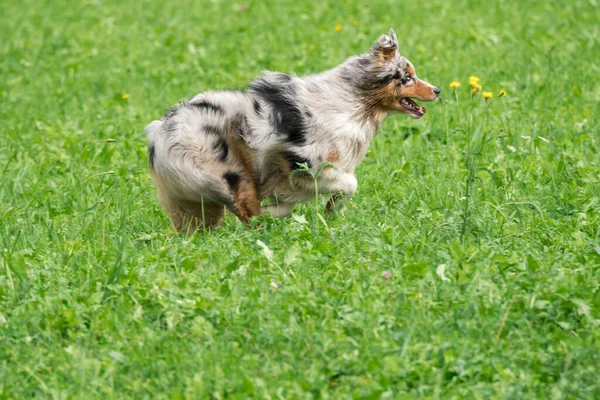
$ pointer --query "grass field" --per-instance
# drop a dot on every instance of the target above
(467, 265)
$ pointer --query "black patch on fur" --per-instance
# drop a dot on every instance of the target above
(364, 62)
(368, 82)
(212, 130)
(152, 154)
(384, 80)
(308, 114)
(294, 159)
(233, 180)
(207, 105)
(257, 107)
(170, 127)
(173, 110)
(175, 146)
(371, 76)
(239, 125)
(221, 146)
(286, 115)
(201, 104)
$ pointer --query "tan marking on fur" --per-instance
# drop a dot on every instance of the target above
(333, 156)
(246, 157)
(278, 183)
(385, 55)
(410, 70)
(375, 108)
(281, 164)
(377, 105)
(419, 91)
(277, 173)
(245, 201)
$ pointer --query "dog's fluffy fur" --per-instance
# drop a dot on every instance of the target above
(233, 149)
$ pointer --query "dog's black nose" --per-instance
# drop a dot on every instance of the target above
(436, 91)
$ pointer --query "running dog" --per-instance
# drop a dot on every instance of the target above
(234, 149)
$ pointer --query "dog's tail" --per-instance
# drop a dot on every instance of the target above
(153, 128)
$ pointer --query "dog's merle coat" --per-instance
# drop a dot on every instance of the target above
(236, 148)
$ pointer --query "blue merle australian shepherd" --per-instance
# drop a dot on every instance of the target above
(234, 149)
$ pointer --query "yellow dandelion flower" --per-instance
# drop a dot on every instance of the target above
(454, 85)
(473, 80)
(338, 27)
(487, 95)
(502, 93)
(474, 91)
(126, 96)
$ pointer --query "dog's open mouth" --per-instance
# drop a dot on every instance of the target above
(412, 107)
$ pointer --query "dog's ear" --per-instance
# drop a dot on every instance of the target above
(386, 47)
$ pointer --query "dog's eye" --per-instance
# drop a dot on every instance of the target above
(407, 77)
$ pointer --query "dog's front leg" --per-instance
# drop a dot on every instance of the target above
(342, 186)
(336, 202)
(279, 210)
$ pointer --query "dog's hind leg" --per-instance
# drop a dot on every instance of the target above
(200, 216)
(245, 198)
(190, 216)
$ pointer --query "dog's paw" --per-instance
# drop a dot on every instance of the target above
(335, 203)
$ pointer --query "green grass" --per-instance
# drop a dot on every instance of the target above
(99, 300)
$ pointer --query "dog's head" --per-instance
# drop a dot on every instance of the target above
(388, 81)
